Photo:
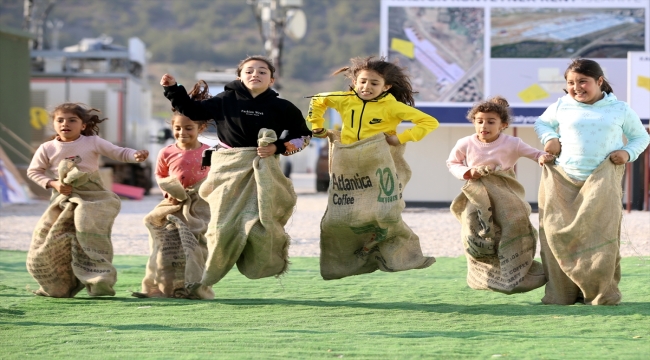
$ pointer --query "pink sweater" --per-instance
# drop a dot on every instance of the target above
(185, 165)
(469, 152)
(45, 162)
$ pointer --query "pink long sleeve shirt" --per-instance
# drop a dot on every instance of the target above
(469, 152)
(45, 162)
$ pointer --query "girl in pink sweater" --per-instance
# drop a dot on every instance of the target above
(497, 235)
(71, 246)
(489, 147)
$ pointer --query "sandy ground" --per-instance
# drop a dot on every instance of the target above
(438, 229)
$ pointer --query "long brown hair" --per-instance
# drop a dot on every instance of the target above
(393, 75)
(88, 115)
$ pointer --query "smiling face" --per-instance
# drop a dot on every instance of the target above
(583, 88)
(369, 84)
(256, 76)
(68, 126)
(186, 132)
(488, 126)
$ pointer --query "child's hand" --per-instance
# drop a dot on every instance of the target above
(319, 133)
(141, 155)
(167, 80)
(266, 151)
(546, 158)
(619, 157)
(62, 188)
(393, 140)
(553, 147)
(173, 200)
(474, 173)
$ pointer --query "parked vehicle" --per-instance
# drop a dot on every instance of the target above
(107, 77)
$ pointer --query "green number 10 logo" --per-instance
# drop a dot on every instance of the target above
(386, 185)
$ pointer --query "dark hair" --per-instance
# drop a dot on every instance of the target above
(393, 75)
(589, 68)
(89, 116)
(265, 59)
(496, 104)
(200, 91)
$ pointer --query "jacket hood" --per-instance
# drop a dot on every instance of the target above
(243, 92)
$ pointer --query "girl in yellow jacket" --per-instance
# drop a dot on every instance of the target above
(379, 98)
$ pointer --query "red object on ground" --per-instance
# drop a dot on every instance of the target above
(128, 191)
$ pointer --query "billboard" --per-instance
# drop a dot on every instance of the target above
(462, 51)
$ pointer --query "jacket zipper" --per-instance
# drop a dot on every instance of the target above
(360, 120)
(352, 120)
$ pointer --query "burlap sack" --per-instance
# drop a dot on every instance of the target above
(579, 230)
(71, 245)
(362, 229)
(499, 240)
(177, 244)
(250, 202)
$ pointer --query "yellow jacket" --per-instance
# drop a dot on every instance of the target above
(363, 119)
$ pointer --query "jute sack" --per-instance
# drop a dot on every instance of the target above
(250, 202)
(499, 240)
(579, 230)
(71, 245)
(177, 244)
(362, 229)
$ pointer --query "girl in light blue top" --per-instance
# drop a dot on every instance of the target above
(593, 121)
(580, 199)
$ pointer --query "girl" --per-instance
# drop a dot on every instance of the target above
(580, 198)
(71, 246)
(250, 198)
(360, 231)
(499, 239)
(178, 224)
(379, 99)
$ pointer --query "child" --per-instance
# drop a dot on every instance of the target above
(71, 247)
(499, 239)
(360, 231)
(178, 224)
(580, 198)
(250, 198)
(379, 99)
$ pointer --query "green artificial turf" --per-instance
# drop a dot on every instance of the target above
(428, 313)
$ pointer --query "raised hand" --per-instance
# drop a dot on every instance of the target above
(167, 80)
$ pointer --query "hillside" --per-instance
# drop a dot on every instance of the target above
(185, 36)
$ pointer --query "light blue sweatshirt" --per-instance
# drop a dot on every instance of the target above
(589, 133)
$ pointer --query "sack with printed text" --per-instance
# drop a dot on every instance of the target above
(499, 240)
(177, 245)
(71, 245)
(362, 229)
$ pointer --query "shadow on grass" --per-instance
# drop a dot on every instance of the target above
(641, 308)
(139, 327)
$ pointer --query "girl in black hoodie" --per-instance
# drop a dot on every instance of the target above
(244, 107)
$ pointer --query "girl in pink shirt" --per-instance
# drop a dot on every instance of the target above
(178, 224)
(496, 232)
(71, 246)
(489, 147)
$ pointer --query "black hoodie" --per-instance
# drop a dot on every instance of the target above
(239, 116)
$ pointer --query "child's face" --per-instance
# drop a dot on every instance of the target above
(186, 132)
(583, 88)
(256, 76)
(488, 126)
(369, 84)
(68, 126)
